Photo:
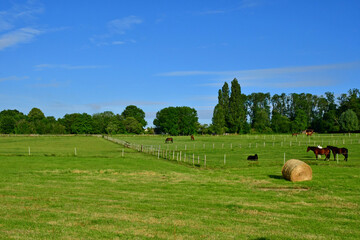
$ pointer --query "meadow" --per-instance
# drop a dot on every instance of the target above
(86, 187)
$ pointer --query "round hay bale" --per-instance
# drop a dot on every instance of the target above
(295, 170)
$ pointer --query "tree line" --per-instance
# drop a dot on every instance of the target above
(284, 113)
(235, 112)
(131, 120)
(171, 120)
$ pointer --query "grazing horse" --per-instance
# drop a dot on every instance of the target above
(294, 134)
(336, 150)
(309, 132)
(169, 140)
(320, 151)
(192, 138)
(253, 158)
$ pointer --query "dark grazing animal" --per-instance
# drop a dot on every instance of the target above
(168, 140)
(336, 150)
(309, 133)
(192, 138)
(253, 157)
(320, 151)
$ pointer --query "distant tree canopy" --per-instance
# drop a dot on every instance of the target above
(262, 113)
(132, 120)
(176, 121)
(235, 112)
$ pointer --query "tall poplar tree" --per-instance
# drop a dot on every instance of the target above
(218, 119)
(237, 109)
(225, 99)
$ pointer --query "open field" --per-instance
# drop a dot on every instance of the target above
(100, 194)
(235, 149)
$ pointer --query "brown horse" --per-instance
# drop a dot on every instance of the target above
(169, 140)
(336, 150)
(320, 151)
(192, 138)
(309, 132)
(294, 134)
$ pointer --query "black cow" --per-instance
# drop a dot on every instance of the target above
(253, 158)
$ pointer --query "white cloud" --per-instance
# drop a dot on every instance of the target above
(262, 73)
(116, 27)
(22, 35)
(118, 42)
(67, 66)
(15, 22)
(286, 77)
(249, 3)
(119, 26)
(244, 4)
(13, 78)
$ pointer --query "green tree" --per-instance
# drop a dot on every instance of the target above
(224, 101)
(176, 121)
(77, 123)
(24, 127)
(237, 109)
(259, 111)
(51, 126)
(261, 122)
(350, 101)
(116, 125)
(35, 114)
(68, 120)
(83, 124)
(101, 121)
(349, 121)
(280, 104)
(135, 112)
(132, 125)
(188, 120)
(8, 120)
(302, 102)
(166, 121)
(300, 121)
(7, 124)
(218, 119)
(280, 123)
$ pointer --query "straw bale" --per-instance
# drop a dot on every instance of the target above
(295, 170)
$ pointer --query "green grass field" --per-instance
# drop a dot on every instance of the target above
(99, 193)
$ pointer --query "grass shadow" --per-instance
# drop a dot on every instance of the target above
(276, 176)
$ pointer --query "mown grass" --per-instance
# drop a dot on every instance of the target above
(99, 194)
(235, 149)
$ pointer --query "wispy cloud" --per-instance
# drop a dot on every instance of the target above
(244, 4)
(262, 73)
(118, 42)
(286, 77)
(66, 66)
(249, 3)
(13, 78)
(52, 84)
(22, 35)
(115, 28)
(120, 26)
(17, 23)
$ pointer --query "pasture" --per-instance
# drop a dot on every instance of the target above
(85, 187)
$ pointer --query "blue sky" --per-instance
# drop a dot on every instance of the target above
(92, 56)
